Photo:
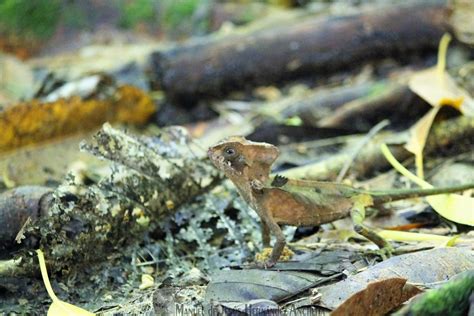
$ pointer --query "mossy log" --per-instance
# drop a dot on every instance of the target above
(84, 223)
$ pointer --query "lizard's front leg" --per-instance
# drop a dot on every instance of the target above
(358, 216)
(268, 225)
(265, 234)
(279, 243)
(257, 186)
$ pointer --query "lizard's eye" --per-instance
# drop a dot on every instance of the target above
(229, 152)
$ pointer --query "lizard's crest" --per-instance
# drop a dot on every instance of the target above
(233, 154)
(279, 181)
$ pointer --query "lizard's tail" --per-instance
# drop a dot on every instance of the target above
(395, 195)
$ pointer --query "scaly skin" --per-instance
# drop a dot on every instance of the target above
(278, 200)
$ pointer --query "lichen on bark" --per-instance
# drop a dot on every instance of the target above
(149, 179)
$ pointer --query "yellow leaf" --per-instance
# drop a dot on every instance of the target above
(418, 135)
(147, 281)
(451, 242)
(455, 207)
(58, 307)
(455, 103)
(410, 236)
(441, 90)
(438, 88)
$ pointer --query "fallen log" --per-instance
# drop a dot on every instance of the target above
(353, 107)
(392, 100)
(62, 113)
(306, 48)
(149, 180)
(17, 207)
(443, 136)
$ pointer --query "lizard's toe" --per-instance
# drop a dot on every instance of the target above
(385, 252)
(269, 264)
(260, 265)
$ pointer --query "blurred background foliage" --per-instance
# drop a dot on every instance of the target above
(29, 19)
(28, 28)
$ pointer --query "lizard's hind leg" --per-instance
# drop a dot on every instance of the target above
(358, 216)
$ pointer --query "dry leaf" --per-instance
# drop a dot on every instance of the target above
(437, 88)
(441, 89)
(455, 207)
(58, 307)
(418, 135)
(378, 298)
(425, 268)
(147, 281)
(448, 241)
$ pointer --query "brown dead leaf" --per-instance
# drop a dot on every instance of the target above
(424, 268)
(377, 298)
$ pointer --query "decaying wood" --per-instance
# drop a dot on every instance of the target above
(393, 100)
(353, 107)
(442, 136)
(314, 106)
(150, 178)
(307, 48)
(16, 206)
(59, 114)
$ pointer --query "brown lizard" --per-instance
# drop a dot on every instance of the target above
(279, 200)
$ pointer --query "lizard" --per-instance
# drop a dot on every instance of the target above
(279, 200)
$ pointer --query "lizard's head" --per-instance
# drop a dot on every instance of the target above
(235, 153)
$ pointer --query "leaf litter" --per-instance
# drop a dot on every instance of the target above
(166, 214)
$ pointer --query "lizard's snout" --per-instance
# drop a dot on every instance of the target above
(209, 154)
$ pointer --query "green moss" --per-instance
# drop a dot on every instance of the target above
(137, 11)
(26, 18)
(75, 16)
(179, 11)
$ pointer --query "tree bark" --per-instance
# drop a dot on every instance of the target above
(306, 48)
